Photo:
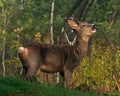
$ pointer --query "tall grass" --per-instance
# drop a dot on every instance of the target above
(100, 69)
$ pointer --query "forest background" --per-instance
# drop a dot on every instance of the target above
(24, 21)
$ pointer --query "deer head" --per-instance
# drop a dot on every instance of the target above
(82, 28)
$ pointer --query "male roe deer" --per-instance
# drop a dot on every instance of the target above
(57, 58)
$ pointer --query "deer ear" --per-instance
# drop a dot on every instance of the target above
(73, 25)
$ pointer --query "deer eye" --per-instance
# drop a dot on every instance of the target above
(84, 25)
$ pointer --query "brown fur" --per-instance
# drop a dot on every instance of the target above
(57, 58)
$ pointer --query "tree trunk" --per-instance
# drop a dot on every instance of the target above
(3, 45)
(3, 55)
(51, 22)
(56, 75)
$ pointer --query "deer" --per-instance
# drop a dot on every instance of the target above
(49, 58)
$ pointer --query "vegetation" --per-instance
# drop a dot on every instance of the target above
(19, 87)
(22, 21)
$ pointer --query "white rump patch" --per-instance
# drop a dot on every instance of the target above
(20, 49)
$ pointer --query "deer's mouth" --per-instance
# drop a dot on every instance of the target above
(93, 29)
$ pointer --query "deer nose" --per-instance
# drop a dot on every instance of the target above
(94, 26)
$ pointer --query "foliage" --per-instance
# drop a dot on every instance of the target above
(100, 69)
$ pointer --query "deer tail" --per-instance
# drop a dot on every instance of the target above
(21, 49)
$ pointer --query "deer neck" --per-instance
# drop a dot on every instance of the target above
(82, 45)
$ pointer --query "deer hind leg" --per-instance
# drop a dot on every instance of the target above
(31, 73)
(24, 71)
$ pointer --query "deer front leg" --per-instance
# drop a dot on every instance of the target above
(68, 78)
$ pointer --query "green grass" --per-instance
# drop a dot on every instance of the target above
(18, 87)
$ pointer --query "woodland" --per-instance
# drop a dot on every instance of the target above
(23, 21)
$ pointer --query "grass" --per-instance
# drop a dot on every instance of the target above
(19, 87)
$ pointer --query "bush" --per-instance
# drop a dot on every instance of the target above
(100, 68)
